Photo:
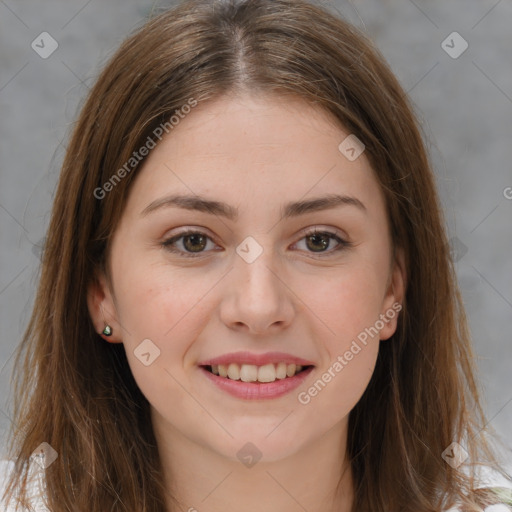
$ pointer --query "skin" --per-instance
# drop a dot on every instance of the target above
(254, 153)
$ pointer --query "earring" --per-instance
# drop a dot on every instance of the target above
(107, 331)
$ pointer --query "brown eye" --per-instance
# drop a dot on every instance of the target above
(193, 243)
(319, 242)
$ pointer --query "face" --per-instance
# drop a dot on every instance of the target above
(262, 285)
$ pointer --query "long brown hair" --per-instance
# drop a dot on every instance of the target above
(76, 392)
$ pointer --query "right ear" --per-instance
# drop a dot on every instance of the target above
(102, 308)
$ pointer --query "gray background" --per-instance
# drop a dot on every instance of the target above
(464, 104)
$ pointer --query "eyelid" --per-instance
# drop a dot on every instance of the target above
(325, 230)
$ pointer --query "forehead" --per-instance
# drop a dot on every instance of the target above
(267, 148)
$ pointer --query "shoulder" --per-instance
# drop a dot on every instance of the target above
(490, 479)
(35, 487)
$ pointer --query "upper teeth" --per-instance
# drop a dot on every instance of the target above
(253, 373)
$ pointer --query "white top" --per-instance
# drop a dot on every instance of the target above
(487, 478)
(36, 486)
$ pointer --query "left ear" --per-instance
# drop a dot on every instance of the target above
(395, 293)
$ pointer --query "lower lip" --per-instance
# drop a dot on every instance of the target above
(258, 390)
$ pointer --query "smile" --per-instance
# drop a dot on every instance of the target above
(272, 385)
(254, 373)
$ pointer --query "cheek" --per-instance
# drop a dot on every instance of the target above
(347, 301)
(348, 304)
(172, 307)
(340, 385)
(167, 308)
(155, 301)
(350, 346)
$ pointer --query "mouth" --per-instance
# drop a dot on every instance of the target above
(261, 374)
(254, 382)
(256, 376)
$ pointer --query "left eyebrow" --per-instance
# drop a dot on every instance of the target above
(327, 202)
(292, 209)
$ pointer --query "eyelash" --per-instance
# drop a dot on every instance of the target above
(167, 244)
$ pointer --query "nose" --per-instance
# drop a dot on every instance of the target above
(257, 298)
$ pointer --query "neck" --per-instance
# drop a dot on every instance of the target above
(316, 478)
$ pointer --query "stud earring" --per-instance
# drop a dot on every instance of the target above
(107, 331)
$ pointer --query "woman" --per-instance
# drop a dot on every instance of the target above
(246, 286)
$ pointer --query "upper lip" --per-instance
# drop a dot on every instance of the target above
(256, 359)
